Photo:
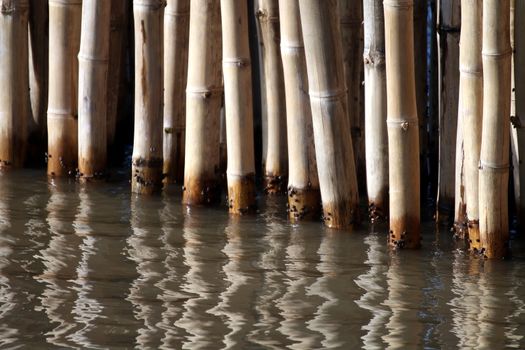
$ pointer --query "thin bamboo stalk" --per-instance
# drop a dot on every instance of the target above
(64, 42)
(448, 36)
(147, 142)
(238, 106)
(375, 109)
(420, 63)
(203, 104)
(176, 41)
(460, 203)
(304, 197)
(403, 126)
(471, 109)
(93, 63)
(274, 155)
(333, 142)
(494, 156)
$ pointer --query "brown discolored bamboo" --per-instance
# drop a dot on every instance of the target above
(494, 156)
(375, 109)
(147, 141)
(403, 126)
(448, 37)
(14, 75)
(64, 42)
(274, 152)
(93, 63)
(203, 105)
(304, 198)
(333, 142)
(460, 204)
(176, 41)
(238, 105)
(471, 109)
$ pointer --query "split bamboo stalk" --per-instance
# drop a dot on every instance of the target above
(176, 31)
(448, 37)
(471, 109)
(274, 153)
(93, 63)
(64, 41)
(375, 109)
(203, 104)
(403, 126)
(494, 156)
(38, 73)
(238, 106)
(14, 75)
(304, 197)
(333, 141)
(147, 142)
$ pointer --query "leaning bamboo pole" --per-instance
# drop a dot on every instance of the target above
(471, 109)
(274, 152)
(375, 109)
(176, 29)
(494, 156)
(93, 63)
(238, 106)
(64, 42)
(304, 197)
(403, 127)
(333, 142)
(14, 75)
(147, 142)
(203, 105)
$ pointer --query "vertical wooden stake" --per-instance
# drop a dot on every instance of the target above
(460, 203)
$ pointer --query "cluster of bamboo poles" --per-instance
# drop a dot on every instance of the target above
(325, 138)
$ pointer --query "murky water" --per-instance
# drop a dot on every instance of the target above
(99, 268)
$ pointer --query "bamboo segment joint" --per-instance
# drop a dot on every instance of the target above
(236, 62)
(90, 58)
(473, 72)
(152, 4)
(65, 2)
(263, 15)
(328, 95)
(497, 55)
(401, 123)
(204, 92)
(403, 5)
(493, 167)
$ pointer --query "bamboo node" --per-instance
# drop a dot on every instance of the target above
(402, 123)
(204, 92)
(497, 168)
(236, 62)
(403, 5)
(328, 95)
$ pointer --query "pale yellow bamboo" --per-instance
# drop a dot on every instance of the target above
(147, 142)
(494, 156)
(203, 105)
(403, 126)
(238, 106)
(333, 142)
(64, 42)
(93, 61)
(304, 198)
(176, 31)
(460, 204)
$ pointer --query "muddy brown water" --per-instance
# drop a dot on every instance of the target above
(97, 267)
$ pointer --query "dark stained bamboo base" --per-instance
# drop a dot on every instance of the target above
(201, 191)
(340, 215)
(304, 204)
(241, 194)
(405, 233)
(146, 175)
(275, 184)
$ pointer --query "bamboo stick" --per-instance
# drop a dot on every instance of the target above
(333, 142)
(64, 41)
(403, 126)
(147, 142)
(494, 156)
(420, 64)
(176, 31)
(448, 37)
(93, 63)
(304, 197)
(203, 105)
(460, 204)
(238, 106)
(375, 109)
(471, 109)
(274, 156)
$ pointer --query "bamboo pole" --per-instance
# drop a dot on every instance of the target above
(64, 41)
(403, 127)
(304, 197)
(448, 37)
(494, 156)
(420, 64)
(203, 105)
(375, 109)
(147, 142)
(460, 203)
(176, 31)
(471, 109)
(93, 63)
(238, 106)
(333, 142)
(274, 152)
